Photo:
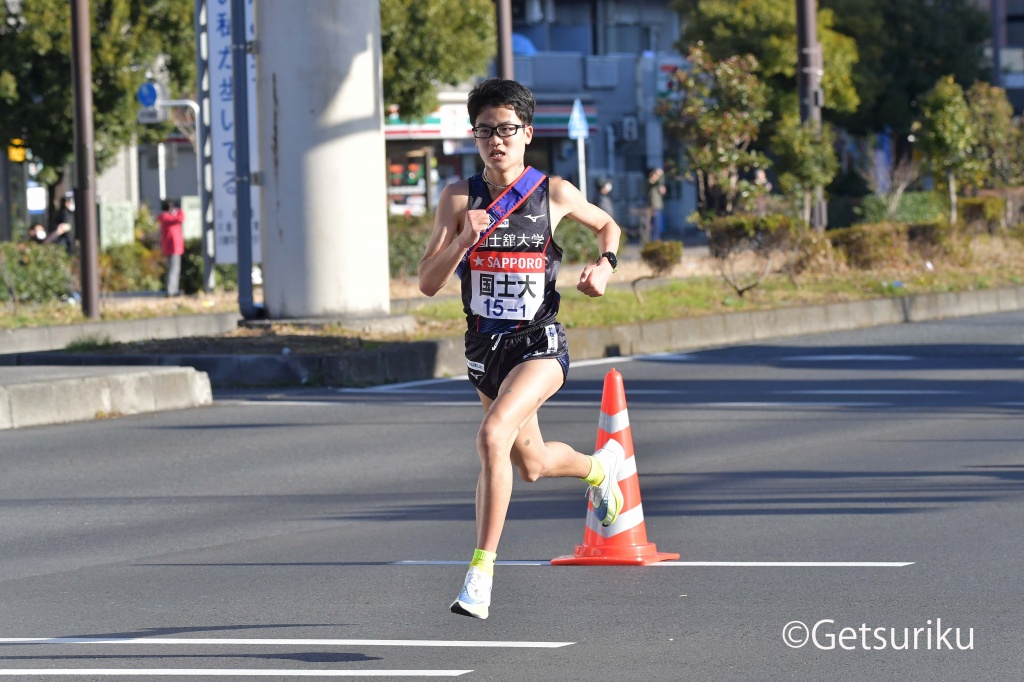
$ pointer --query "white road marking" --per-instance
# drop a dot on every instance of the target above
(850, 358)
(737, 564)
(226, 672)
(474, 401)
(288, 642)
(279, 403)
(868, 391)
(603, 361)
(557, 402)
(629, 392)
(760, 405)
(427, 562)
(388, 388)
(790, 564)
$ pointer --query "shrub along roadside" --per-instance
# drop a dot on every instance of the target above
(131, 267)
(770, 239)
(899, 245)
(225, 276)
(34, 273)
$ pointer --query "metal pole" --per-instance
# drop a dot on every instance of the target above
(810, 67)
(161, 169)
(506, 65)
(85, 191)
(581, 156)
(243, 195)
(998, 9)
(808, 62)
(202, 138)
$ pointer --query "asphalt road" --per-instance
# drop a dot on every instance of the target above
(864, 486)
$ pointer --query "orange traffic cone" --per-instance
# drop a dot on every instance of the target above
(624, 543)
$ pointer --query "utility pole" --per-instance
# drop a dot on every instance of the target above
(203, 149)
(506, 65)
(243, 179)
(998, 9)
(85, 163)
(810, 69)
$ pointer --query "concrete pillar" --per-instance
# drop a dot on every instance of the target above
(321, 142)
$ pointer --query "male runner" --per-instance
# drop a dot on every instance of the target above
(516, 351)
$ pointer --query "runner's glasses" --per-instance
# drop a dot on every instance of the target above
(505, 130)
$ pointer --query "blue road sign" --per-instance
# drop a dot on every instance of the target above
(579, 127)
(147, 94)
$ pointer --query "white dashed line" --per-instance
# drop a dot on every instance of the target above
(224, 672)
(850, 358)
(699, 564)
(288, 642)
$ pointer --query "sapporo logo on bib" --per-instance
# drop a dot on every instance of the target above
(507, 285)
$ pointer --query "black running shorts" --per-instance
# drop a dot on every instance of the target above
(490, 357)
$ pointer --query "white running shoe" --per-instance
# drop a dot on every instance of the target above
(607, 497)
(475, 597)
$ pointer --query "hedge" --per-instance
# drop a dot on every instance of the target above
(34, 272)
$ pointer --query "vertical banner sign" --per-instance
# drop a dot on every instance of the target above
(222, 134)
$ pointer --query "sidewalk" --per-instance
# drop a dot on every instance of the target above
(48, 388)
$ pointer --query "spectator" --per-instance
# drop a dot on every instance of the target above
(37, 234)
(172, 241)
(656, 202)
(63, 232)
(604, 198)
(765, 188)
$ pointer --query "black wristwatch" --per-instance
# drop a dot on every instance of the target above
(611, 259)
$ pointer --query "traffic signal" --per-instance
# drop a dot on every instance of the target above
(16, 151)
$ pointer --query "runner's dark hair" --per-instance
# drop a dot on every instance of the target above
(500, 92)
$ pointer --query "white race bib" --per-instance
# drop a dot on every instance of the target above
(506, 285)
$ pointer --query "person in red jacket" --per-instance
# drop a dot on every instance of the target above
(172, 241)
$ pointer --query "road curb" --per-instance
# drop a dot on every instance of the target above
(58, 337)
(109, 392)
(440, 358)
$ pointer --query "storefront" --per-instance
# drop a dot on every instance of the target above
(424, 156)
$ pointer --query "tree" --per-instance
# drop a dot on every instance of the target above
(766, 29)
(805, 156)
(174, 22)
(992, 117)
(716, 111)
(35, 73)
(904, 48)
(429, 42)
(948, 135)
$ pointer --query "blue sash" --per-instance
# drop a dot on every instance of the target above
(509, 200)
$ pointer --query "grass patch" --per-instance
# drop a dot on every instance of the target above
(55, 313)
(89, 342)
(995, 261)
(709, 295)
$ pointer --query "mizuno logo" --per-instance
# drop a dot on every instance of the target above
(533, 218)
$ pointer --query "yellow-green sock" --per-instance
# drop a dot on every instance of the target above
(596, 475)
(483, 560)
